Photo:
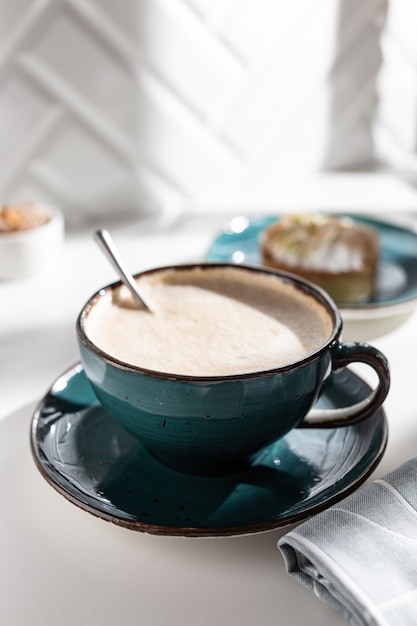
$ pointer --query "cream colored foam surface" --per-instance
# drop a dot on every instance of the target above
(210, 322)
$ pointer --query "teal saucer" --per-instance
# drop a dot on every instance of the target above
(83, 453)
(396, 287)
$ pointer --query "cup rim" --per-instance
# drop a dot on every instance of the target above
(302, 284)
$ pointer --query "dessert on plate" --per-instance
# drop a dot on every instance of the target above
(337, 253)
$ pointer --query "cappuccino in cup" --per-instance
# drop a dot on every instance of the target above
(230, 359)
(211, 321)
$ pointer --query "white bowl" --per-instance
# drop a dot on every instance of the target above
(32, 252)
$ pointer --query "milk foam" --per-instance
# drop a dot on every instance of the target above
(210, 322)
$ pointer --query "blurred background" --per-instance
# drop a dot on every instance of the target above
(153, 107)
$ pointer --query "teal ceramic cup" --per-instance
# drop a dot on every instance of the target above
(214, 424)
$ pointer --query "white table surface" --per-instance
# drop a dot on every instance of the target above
(62, 566)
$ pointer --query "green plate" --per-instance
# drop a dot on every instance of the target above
(83, 453)
(238, 242)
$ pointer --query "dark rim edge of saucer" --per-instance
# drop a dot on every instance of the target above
(229, 531)
(190, 531)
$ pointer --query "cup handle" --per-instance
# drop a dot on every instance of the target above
(343, 354)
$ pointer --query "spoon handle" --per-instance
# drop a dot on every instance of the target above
(104, 240)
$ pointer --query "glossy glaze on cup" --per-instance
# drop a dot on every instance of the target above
(208, 424)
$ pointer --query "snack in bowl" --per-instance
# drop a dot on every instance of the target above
(23, 216)
(337, 253)
(31, 239)
(230, 359)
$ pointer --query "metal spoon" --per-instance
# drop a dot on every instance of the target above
(106, 243)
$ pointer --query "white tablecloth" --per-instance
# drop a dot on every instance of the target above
(60, 565)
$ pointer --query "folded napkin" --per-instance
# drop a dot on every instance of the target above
(360, 555)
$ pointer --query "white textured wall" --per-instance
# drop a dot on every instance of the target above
(396, 122)
(158, 104)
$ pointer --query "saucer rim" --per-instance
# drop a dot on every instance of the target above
(199, 531)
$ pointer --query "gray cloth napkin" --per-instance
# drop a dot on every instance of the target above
(360, 555)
